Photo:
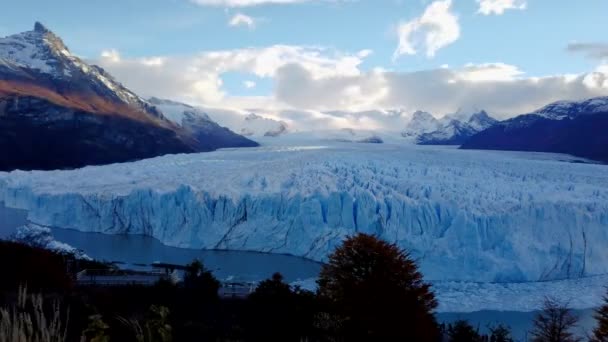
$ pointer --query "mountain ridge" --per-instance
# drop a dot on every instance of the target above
(573, 127)
(57, 111)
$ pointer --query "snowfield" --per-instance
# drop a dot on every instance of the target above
(480, 216)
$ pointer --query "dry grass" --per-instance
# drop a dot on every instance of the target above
(27, 322)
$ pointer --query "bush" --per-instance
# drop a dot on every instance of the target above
(378, 293)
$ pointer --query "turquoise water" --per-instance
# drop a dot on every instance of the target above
(135, 251)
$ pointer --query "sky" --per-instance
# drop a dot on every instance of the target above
(283, 58)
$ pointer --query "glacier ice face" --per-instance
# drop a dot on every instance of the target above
(465, 215)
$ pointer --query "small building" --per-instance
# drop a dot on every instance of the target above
(236, 289)
(114, 277)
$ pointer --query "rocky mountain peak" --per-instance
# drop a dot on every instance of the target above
(39, 27)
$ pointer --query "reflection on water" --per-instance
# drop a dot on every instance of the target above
(135, 250)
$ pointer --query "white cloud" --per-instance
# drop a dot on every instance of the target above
(488, 72)
(245, 3)
(498, 7)
(197, 78)
(435, 29)
(111, 55)
(241, 19)
(317, 86)
(591, 50)
(249, 84)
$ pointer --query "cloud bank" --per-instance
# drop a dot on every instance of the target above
(315, 86)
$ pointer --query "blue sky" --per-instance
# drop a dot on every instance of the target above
(525, 38)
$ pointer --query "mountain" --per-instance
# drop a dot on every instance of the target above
(421, 123)
(457, 128)
(576, 128)
(57, 111)
(256, 125)
(453, 129)
(198, 124)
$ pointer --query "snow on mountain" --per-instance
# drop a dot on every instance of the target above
(452, 129)
(256, 125)
(42, 55)
(570, 109)
(420, 123)
(466, 215)
(178, 112)
(199, 125)
(248, 124)
(56, 112)
(573, 127)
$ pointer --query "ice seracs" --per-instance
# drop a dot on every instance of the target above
(465, 215)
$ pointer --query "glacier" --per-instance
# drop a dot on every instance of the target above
(482, 216)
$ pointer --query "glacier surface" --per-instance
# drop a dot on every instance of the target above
(481, 216)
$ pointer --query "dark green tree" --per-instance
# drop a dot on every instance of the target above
(462, 331)
(600, 333)
(555, 323)
(279, 313)
(197, 277)
(377, 292)
(500, 333)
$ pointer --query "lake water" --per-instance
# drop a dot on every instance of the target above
(135, 251)
(519, 322)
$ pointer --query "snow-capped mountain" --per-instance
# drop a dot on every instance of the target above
(256, 125)
(452, 129)
(39, 59)
(200, 125)
(420, 123)
(457, 128)
(57, 111)
(570, 109)
(574, 127)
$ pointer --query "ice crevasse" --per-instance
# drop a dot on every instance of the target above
(464, 215)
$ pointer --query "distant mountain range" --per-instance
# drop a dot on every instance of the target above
(453, 129)
(56, 111)
(573, 127)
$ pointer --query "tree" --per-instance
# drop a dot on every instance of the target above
(600, 333)
(500, 333)
(198, 278)
(462, 331)
(554, 323)
(377, 291)
(279, 313)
